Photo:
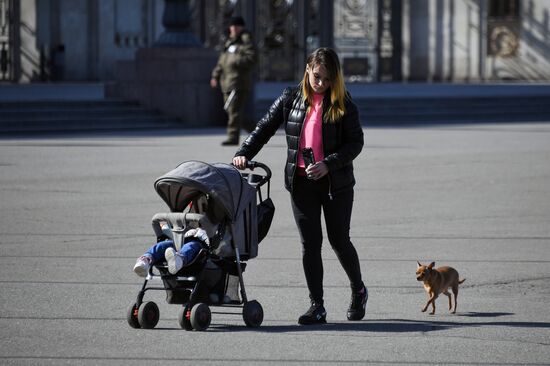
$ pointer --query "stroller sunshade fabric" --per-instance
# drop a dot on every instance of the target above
(222, 182)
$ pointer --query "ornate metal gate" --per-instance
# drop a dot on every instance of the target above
(277, 26)
(7, 35)
(355, 38)
(278, 38)
(286, 31)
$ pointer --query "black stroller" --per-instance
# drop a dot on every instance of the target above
(224, 202)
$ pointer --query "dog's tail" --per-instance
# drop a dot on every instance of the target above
(462, 280)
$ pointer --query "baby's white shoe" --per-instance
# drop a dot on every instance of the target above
(174, 260)
(141, 268)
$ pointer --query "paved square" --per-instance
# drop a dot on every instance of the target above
(75, 213)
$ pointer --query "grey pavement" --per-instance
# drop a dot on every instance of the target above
(75, 213)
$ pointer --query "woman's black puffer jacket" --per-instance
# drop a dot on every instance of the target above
(342, 141)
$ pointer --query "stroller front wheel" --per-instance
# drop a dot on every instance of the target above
(148, 315)
(200, 316)
(253, 314)
(132, 316)
(184, 317)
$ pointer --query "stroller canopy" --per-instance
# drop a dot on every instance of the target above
(222, 182)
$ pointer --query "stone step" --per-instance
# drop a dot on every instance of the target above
(33, 114)
(455, 109)
(69, 104)
(456, 119)
(59, 116)
(455, 100)
(89, 124)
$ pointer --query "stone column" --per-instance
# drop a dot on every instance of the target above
(176, 20)
(173, 76)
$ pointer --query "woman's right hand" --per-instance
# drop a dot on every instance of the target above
(240, 162)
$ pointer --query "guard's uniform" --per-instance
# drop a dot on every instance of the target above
(233, 72)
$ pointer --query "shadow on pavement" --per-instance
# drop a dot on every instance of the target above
(392, 326)
(389, 325)
(484, 315)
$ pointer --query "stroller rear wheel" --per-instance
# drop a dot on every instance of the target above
(132, 316)
(253, 314)
(200, 316)
(184, 318)
(148, 315)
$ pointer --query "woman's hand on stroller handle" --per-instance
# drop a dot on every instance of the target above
(240, 162)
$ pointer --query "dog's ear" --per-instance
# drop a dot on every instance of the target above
(419, 265)
(431, 265)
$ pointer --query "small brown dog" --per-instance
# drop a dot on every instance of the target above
(437, 281)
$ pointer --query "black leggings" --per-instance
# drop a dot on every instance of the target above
(308, 197)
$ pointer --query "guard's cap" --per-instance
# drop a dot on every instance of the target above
(237, 20)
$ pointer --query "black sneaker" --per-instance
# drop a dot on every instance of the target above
(316, 314)
(356, 310)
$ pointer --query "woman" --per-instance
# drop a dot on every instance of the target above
(320, 115)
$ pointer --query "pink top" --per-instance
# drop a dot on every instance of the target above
(312, 131)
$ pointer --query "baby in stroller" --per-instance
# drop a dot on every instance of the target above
(165, 250)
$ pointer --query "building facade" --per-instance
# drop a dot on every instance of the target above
(377, 40)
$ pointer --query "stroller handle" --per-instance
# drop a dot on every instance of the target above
(256, 164)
